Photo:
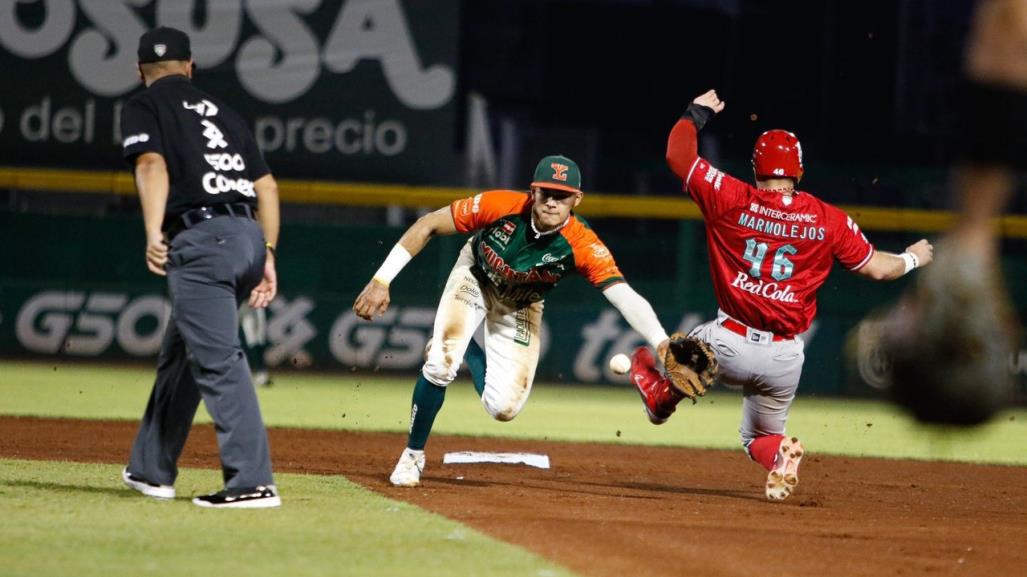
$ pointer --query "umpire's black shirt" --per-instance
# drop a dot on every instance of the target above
(211, 155)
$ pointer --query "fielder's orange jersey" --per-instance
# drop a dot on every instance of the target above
(522, 265)
(769, 253)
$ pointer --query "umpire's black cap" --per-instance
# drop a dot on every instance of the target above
(164, 43)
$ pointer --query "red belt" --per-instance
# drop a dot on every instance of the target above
(738, 328)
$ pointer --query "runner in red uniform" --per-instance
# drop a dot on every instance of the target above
(771, 247)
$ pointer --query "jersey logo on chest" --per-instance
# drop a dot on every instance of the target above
(503, 233)
(497, 266)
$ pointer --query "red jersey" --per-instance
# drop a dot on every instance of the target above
(768, 253)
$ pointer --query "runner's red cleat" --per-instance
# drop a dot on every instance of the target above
(659, 397)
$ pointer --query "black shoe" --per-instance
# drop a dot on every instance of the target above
(145, 487)
(253, 498)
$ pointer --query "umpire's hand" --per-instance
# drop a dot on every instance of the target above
(265, 292)
(373, 300)
(156, 254)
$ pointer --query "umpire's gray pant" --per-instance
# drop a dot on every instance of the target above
(211, 268)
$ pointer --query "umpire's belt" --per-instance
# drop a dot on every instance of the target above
(195, 216)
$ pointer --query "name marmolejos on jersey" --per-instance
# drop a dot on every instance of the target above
(780, 229)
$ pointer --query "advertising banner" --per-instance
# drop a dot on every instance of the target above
(76, 288)
(359, 90)
(305, 332)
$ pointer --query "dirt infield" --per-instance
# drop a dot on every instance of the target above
(614, 510)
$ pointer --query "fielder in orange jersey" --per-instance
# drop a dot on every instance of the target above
(771, 247)
(522, 245)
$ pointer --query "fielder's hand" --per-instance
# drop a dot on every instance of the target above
(373, 301)
(156, 254)
(265, 292)
(923, 251)
(710, 100)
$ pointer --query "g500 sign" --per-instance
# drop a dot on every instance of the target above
(86, 325)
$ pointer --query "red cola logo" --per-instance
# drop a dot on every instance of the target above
(772, 290)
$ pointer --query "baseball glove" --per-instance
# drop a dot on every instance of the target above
(691, 365)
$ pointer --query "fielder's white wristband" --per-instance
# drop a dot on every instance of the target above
(911, 261)
(397, 259)
(637, 311)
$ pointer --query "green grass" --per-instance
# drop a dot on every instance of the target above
(66, 519)
(75, 519)
(603, 414)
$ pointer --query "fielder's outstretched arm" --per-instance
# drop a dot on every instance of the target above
(887, 266)
(639, 314)
(374, 299)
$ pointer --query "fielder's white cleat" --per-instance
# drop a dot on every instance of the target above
(145, 487)
(781, 481)
(408, 470)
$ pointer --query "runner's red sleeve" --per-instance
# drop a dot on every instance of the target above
(851, 246)
(682, 148)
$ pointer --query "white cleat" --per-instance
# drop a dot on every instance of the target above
(408, 470)
(782, 480)
(145, 487)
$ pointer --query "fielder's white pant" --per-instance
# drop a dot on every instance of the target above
(511, 339)
(767, 371)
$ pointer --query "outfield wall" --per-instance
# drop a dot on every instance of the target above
(77, 288)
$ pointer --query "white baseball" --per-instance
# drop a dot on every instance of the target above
(620, 363)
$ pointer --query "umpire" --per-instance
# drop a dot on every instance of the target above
(203, 186)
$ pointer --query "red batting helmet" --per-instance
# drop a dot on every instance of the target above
(777, 153)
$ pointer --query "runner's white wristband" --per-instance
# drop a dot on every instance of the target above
(911, 261)
(397, 259)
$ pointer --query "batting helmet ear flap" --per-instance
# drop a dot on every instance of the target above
(777, 154)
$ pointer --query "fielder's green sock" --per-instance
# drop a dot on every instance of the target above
(427, 401)
(475, 358)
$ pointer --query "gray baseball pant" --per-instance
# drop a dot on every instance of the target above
(211, 268)
(768, 372)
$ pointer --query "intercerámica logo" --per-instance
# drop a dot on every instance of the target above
(277, 63)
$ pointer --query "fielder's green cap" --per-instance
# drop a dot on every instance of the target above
(558, 172)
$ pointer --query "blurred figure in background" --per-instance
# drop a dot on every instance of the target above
(253, 323)
(951, 336)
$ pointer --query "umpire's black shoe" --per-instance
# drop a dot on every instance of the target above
(260, 497)
(145, 487)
